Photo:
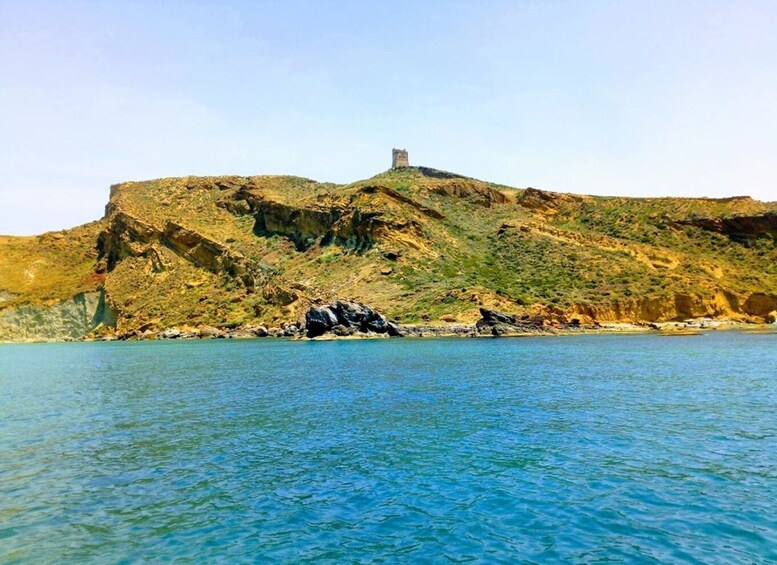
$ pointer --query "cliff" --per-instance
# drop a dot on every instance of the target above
(417, 244)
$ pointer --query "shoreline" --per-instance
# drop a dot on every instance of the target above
(413, 331)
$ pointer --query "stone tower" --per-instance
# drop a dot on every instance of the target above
(399, 158)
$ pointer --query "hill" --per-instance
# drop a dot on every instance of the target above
(417, 244)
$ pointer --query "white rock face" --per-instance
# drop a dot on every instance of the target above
(69, 319)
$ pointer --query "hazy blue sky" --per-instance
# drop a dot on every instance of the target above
(631, 98)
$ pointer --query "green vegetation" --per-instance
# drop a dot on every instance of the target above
(418, 244)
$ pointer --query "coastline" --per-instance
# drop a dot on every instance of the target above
(426, 331)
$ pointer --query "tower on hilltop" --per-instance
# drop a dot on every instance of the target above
(399, 158)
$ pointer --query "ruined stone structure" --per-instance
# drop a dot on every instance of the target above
(399, 158)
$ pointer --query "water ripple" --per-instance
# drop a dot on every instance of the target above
(589, 449)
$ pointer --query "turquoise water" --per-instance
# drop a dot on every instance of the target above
(581, 449)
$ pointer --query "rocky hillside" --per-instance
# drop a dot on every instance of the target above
(419, 245)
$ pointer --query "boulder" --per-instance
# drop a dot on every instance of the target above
(496, 328)
(210, 332)
(319, 320)
(352, 317)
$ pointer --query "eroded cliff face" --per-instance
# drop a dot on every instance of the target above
(356, 219)
(68, 319)
(127, 236)
(739, 227)
(679, 307)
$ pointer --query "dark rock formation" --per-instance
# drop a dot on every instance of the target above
(498, 323)
(343, 331)
(319, 320)
(346, 318)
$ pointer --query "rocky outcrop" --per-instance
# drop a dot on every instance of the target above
(762, 305)
(127, 236)
(501, 324)
(347, 223)
(349, 220)
(303, 225)
(546, 201)
(399, 197)
(740, 228)
(65, 320)
(346, 318)
(477, 193)
(319, 320)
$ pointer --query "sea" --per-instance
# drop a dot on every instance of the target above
(574, 449)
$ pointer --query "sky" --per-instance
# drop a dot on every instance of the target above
(651, 98)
